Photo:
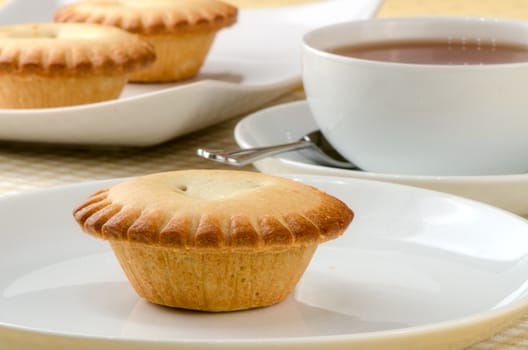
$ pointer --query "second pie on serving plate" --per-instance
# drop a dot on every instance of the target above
(181, 31)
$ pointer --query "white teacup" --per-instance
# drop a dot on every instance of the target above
(423, 119)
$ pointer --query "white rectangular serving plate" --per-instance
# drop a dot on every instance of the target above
(250, 64)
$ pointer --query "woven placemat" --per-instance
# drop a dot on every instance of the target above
(26, 166)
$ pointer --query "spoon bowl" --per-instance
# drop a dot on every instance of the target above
(312, 145)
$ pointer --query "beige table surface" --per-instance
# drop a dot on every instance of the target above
(28, 167)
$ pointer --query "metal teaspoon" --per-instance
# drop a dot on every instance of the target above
(313, 145)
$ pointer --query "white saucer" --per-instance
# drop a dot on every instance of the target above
(289, 122)
(247, 67)
(416, 270)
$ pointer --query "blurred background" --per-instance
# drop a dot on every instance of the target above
(515, 9)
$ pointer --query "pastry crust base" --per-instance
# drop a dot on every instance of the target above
(36, 91)
(179, 57)
(212, 280)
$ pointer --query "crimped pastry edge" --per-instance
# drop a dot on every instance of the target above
(100, 217)
(170, 20)
(68, 57)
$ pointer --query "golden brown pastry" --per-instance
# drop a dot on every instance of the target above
(182, 31)
(213, 240)
(52, 65)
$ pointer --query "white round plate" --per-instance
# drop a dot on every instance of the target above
(415, 270)
(289, 122)
(250, 64)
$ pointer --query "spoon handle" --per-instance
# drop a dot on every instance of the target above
(246, 156)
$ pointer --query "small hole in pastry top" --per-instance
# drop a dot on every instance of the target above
(211, 189)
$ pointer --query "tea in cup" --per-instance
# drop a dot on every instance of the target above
(422, 96)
